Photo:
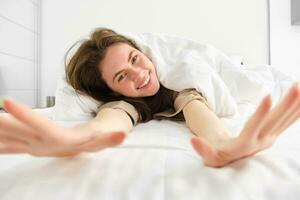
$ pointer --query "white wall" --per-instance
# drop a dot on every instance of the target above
(234, 26)
(18, 50)
(285, 39)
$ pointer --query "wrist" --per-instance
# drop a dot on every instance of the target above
(90, 126)
(216, 137)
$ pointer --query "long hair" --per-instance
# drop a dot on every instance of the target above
(83, 75)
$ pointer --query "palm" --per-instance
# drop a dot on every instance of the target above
(24, 131)
(259, 133)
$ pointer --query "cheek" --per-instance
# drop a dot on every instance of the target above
(146, 63)
(126, 88)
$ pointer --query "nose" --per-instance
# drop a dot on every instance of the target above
(133, 72)
(137, 75)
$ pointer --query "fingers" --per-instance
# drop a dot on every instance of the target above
(12, 146)
(27, 116)
(7, 139)
(12, 127)
(208, 153)
(282, 112)
(13, 149)
(257, 120)
(102, 141)
(288, 123)
(289, 119)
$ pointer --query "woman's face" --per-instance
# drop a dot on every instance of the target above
(128, 71)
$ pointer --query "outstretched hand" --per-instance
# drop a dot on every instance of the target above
(259, 133)
(25, 131)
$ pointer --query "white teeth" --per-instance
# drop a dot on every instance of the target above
(145, 82)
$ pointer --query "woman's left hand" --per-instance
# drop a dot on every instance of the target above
(259, 133)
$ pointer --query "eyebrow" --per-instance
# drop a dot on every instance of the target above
(129, 57)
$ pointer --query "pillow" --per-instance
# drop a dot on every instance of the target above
(70, 105)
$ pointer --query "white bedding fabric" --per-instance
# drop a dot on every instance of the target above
(157, 162)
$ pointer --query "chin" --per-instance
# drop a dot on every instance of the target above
(154, 90)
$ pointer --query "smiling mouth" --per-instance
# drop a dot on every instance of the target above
(145, 83)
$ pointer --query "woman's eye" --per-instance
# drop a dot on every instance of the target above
(134, 59)
(121, 77)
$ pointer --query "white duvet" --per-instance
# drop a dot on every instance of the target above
(156, 161)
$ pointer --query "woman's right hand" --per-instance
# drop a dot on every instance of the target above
(25, 131)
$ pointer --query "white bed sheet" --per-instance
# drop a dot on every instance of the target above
(156, 161)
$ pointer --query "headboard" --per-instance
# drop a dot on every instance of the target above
(234, 26)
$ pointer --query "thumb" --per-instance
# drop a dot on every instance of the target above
(207, 151)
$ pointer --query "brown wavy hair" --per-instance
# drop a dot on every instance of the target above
(83, 75)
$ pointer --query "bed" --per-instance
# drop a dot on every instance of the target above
(157, 161)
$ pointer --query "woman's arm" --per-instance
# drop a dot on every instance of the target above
(24, 131)
(216, 146)
(203, 122)
(108, 120)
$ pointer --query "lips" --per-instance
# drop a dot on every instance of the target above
(145, 82)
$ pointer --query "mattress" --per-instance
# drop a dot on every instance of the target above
(156, 161)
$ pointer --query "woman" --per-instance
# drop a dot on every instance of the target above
(110, 68)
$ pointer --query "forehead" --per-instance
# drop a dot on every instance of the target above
(115, 58)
